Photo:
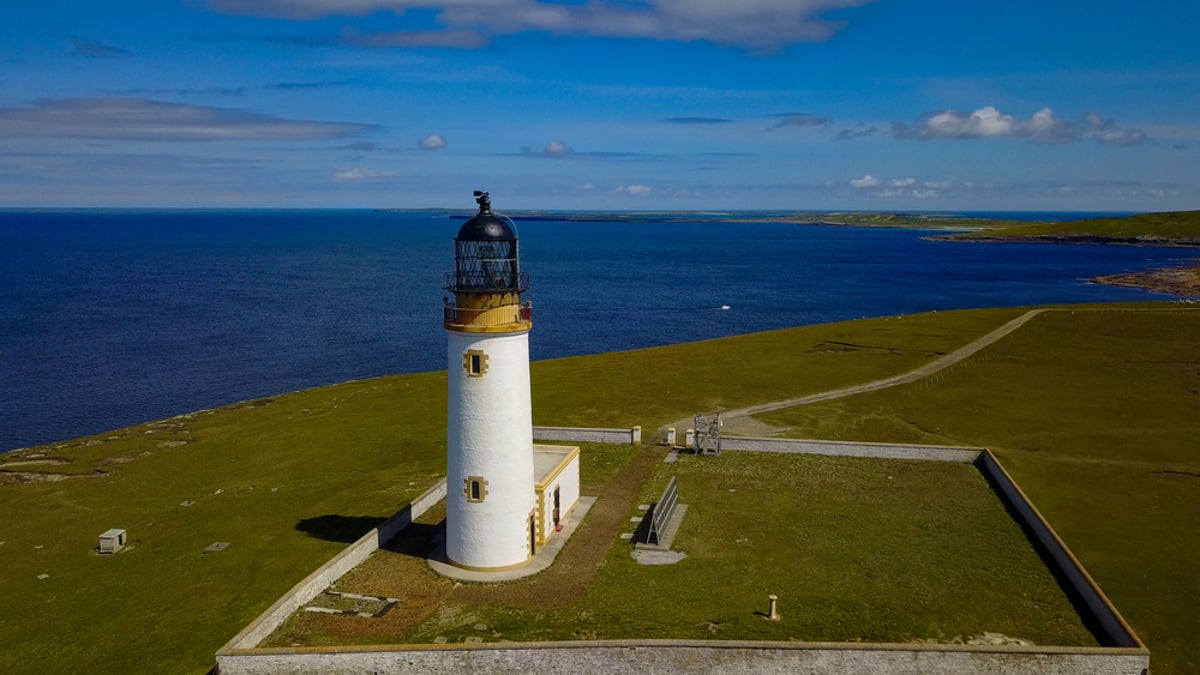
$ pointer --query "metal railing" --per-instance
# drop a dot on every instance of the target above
(483, 281)
(494, 316)
(661, 516)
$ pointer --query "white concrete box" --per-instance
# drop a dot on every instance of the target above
(112, 540)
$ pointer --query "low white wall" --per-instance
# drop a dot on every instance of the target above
(588, 434)
(690, 656)
(326, 574)
(940, 453)
(1102, 610)
(1130, 657)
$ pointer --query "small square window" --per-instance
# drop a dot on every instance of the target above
(475, 488)
(475, 362)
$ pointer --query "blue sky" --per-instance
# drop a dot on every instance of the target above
(601, 104)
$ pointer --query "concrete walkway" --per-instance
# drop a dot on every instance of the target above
(966, 351)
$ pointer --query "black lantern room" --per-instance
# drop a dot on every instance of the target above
(485, 254)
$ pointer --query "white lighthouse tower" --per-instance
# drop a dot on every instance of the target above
(491, 504)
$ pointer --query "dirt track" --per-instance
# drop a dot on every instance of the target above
(964, 352)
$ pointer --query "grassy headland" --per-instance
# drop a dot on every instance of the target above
(1096, 415)
(913, 220)
(1178, 228)
(288, 481)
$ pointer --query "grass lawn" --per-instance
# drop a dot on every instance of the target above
(857, 549)
(656, 386)
(1176, 225)
(251, 476)
(287, 482)
(1097, 415)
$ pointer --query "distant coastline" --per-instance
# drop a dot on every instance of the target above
(902, 220)
(1122, 231)
(1140, 240)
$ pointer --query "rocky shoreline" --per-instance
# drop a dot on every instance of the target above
(1183, 281)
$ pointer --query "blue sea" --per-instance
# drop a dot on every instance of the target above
(110, 318)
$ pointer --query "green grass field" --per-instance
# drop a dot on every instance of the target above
(857, 550)
(287, 482)
(1176, 225)
(1097, 416)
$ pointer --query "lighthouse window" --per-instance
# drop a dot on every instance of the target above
(475, 362)
(475, 488)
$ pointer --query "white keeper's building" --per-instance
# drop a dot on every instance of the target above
(505, 497)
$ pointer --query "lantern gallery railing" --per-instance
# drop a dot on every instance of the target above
(495, 316)
(486, 281)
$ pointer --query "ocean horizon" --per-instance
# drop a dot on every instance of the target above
(112, 317)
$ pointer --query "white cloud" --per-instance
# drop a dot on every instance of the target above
(432, 142)
(753, 24)
(985, 122)
(1122, 137)
(902, 182)
(1042, 127)
(137, 119)
(557, 148)
(867, 181)
(633, 190)
(899, 193)
(1105, 132)
(360, 173)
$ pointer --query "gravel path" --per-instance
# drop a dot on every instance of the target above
(964, 352)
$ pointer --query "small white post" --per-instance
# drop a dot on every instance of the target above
(671, 436)
(637, 435)
(690, 441)
(772, 611)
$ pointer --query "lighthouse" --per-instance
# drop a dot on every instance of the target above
(499, 485)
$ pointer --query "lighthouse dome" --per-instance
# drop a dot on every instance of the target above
(487, 227)
(485, 254)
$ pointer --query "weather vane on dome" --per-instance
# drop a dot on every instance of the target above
(484, 201)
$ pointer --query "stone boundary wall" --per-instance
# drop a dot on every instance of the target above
(1101, 608)
(689, 656)
(1129, 656)
(331, 571)
(938, 453)
(588, 434)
